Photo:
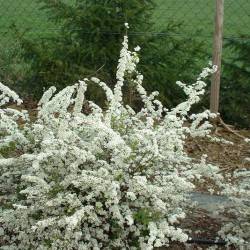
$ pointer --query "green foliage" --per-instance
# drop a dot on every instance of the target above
(8, 149)
(235, 87)
(89, 38)
(55, 190)
(37, 215)
(146, 215)
(12, 68)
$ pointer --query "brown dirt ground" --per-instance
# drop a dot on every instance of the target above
(227, 157)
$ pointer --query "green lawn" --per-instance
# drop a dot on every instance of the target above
(194, 14)
(24, 14)
(199, 15)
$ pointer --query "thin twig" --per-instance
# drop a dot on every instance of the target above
(229, 129)
(93, 74)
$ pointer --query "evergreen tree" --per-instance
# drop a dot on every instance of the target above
(235, 87)
(89, 40)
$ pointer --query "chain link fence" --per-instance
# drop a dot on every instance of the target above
(194, 15)
(198, 15)
(196, 19)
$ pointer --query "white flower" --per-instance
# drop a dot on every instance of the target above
(126, 25)
(103, 179)
(131, 196)
(5, 95)
(137, 48)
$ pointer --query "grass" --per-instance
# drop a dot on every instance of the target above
(24, 14)
(199, 15)
(195, 15)
(197, 18)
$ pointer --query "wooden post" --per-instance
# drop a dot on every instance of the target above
(217, 54)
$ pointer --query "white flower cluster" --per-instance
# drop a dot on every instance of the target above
(7, 94)
(237, 231)
(111, 179)
(9, 131)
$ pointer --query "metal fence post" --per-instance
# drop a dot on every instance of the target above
(217, 54)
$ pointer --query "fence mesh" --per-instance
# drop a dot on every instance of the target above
(195, 16)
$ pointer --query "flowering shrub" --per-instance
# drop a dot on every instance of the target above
(110, 179)
(237, 231)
